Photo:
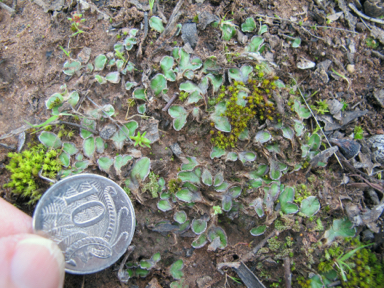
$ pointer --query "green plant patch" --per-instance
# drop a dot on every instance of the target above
(25, 168)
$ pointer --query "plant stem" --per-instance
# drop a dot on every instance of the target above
(80, 126)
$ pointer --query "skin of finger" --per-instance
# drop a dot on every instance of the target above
(13, 221)
(22, 262)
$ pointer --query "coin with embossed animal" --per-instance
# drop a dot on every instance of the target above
(90, 217)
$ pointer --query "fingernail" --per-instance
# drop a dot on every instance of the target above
(37, 263)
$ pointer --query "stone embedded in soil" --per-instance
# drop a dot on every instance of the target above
(349, 148)
(376, 144)
(374, 8)
(189, 34)
(204, 281)
(379, 96)
(154, 283)
(206, 18)
(84, 55)
(152, 128)
(175, 147)
(305, 64)
(108, 131)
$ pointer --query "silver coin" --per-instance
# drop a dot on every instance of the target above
(90, 218)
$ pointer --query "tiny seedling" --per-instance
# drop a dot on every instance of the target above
(342, 76)
(358, 133)
(76, 22)
(151, 3)
(65, 51)
(371, 43)
(321, 107)
(141, 140)
(345, 105)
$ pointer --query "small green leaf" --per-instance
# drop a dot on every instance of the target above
(121, 161)
(141, 169)
(301, 110)
(129, 85)
(314, 142)
(340, 228)
(159, 84)
(200, 241)
(255, 44)
(221, 122)
(50, 140)
(156, 257)
(194, 97)
(244, 135)
(228, 31)
(215, 232)
(180, 217)
(206, 177)
(288, 133)
(71, 68)
(99, 144)
(216, 81)
(310, 206)
(263, 29)
(140, 93)
(65, 159)
(231, 156)
(89, 147)
(217, 152)
(73, 98)
(234, 192)
(189, 176)
(180, 116)
(82, 164)
(141, 109)
(249, 25)
(176, 269)
(273, 148)
(189, 87)
(219, 179)
(299, 127)
(113, 77)
(104, 163)
(296, 43)
(70, 148)
(54, 101)
(156, 24)
(192, 163)
(286, 198)
(257, 231)
(226, 203)
(222, 187)
(100, 79)
(198, 226)
(184, 195)
(247, 156)
(100, 62)
(91, 124)
(164, 205)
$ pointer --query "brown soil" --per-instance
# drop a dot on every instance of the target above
(31, 64)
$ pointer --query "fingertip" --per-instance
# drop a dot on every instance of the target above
(37, 262)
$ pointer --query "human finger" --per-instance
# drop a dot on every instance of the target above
(30, 261)
(13, 221)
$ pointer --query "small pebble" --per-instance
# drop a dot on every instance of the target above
(195, 142)
(351, 68)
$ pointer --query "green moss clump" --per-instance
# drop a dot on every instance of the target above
(257, 104)
(174, 185)
(25, 167)
(302, 192)
(274, 244)
(152, 186)
(366, 270)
